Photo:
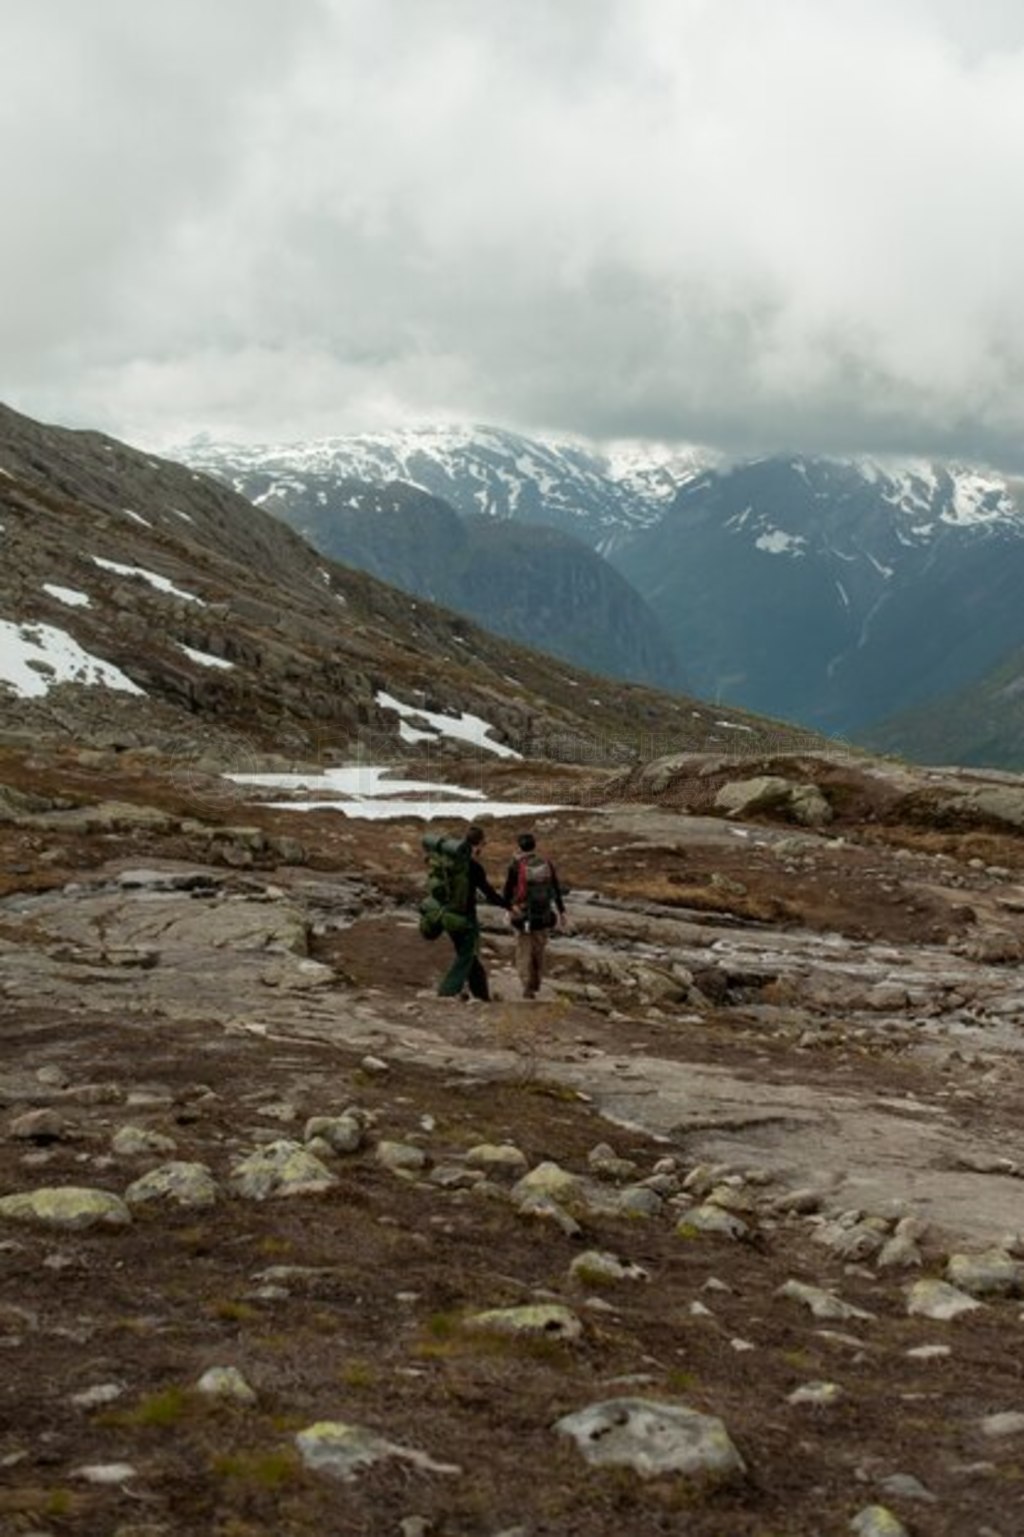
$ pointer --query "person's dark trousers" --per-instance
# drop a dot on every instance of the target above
(466, 970)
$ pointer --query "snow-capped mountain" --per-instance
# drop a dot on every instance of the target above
(598, 496)
(835, 592)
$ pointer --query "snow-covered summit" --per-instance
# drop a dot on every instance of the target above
(599, 495)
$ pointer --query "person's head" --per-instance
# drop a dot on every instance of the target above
(527, 842)
(476, 837)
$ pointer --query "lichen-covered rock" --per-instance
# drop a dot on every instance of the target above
(66, 1206)
(939, 1300)
(877, 1521)
(226, 1382)
(135, 1141)
(820, 1394)
(182, 1184)
(280, 1169)
(712, 1220)
(403, 1158)
(770, 793)
(546, 1320)
(599, 1268)
(654, 1438)
(990, 1274)
(550, 1179)
(343, 1450)
(823, 1304)
(342, 1133)
(497, 1159)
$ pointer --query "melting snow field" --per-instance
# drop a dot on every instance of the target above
(35, 657)
(365, 791)
(462, 728)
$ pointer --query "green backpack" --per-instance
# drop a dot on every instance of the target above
(445, 908)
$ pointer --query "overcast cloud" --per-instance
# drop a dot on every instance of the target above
(752, 223)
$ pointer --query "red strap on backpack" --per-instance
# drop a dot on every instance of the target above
(520, 898)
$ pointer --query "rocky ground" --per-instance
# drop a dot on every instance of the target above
(287, 1244)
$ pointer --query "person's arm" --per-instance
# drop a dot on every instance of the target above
(483, 885)
(510, 883)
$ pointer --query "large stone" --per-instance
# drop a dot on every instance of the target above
(991, 1274)
(66, 1206)
(551, 1180)
(654, 1438)
(877, 1521)
(939, 1300)
(770, 793)
(180, 1184)
(280, 1169)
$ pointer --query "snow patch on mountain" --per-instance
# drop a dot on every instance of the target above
(36, 657)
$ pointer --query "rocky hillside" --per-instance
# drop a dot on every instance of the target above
(141, 601)
(528, 582)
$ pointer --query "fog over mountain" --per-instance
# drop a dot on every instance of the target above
(771, 229)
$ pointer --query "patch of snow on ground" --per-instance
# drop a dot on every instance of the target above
(137, 516)
(366, 791)
(35, 657)
(68, 595)
(161, 583)
(732, 725)
(205, 659)
(464, 728)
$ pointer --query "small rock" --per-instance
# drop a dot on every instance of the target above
(904, 1486)
(876, 1521)
(939, 1300)
(342, 1450)
(547, 1320)
(375, 1065)
(597, 1267)
(131, 1141)
(183, 1184)
(1008, 1423)
(818, 1393)
(711, 1220)
(823, 1304)
(105, 1472)
(497, 1159)
(402, 1158)
(40, 1126)
(343, 1133)
(96, 1397)
(226, 1382)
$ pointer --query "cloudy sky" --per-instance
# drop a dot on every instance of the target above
(751, 223)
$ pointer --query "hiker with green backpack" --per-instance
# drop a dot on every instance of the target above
(454, 877)
(534, 896)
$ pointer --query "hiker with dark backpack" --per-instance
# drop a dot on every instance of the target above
(534, 896)
(454, 877)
